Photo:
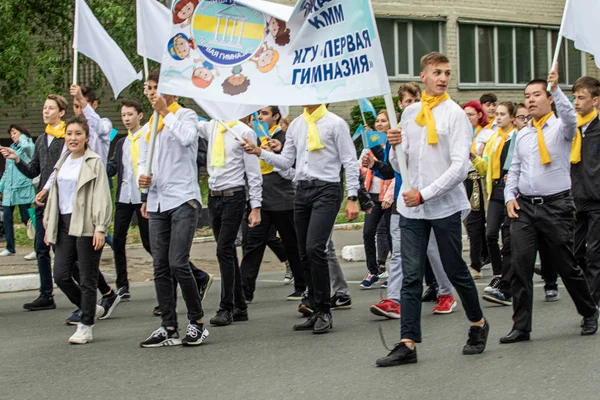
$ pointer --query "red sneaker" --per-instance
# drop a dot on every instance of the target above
(445, 305)
(386, 308)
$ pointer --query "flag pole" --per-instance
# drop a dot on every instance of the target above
(389, 105)
(364, 124)
(235, 135)
(75, 44)
(559, 41)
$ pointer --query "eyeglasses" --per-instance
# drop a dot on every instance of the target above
(524, 118)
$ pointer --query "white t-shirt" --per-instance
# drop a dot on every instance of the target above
(67, 184)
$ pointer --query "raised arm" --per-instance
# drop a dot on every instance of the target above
(100, 127)
(184, 126)
(567, 114)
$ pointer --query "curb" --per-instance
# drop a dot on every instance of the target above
(20, 283)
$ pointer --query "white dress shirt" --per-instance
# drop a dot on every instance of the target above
(240, 168)
(174, 168)
(438, 170)
(130, 193)
(527, 175)
(323, 164)
(68, 175)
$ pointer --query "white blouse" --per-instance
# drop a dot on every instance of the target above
(67, 184)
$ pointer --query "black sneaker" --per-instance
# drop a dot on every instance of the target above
(477, 339)
(399, 355)
(195, 334)
(222, 318)
(74, 318)
(162, 338)
(341, 302)
(41, 303)
(430, 294)
(498, 297)
(296, 296)
(204, 286)
(124, 294)
(239, 315)
(493, 285)
(156, 312)
(109, 303)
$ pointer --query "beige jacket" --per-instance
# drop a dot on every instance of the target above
(92, 209)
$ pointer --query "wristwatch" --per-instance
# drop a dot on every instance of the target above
(352, 198)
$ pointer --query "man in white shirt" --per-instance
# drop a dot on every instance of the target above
(230, 171)
(539, 201)
(173, 204)
(436, 136)
(319, 143)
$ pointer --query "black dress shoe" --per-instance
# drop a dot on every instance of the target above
(323, 323)
(308, 324)
(515, 336)
(400, 355)
(239, 315)
(477, 339)
(430, 294)
(590, 325)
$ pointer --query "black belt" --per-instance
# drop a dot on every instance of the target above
(313, 183)
(227, 192)
(539, 200)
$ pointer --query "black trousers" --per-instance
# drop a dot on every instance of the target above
(70, 249)
(370, 230)
(274, 242)
(507, 267)
(495, 218)
(476, 229)
(551, 224)
(226, 215)
(123, 215)
(316, 207)
(587, 248)
(257, 241)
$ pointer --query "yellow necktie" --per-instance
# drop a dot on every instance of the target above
(489, 125)
(161, 124)
(544, 155)
(265, 168)
(135, 150)
(217, 155)
(576, 147)
(58, 132)
(498, 152)
(425, 116)
(314, 141)
(474, 145)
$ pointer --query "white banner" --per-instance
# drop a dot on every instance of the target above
(222, 50)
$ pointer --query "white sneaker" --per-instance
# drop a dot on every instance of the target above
(82, 335)
(384, 275)
(5, 253)
(99, 313)
(31, 256)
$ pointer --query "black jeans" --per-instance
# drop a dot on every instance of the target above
(123, 215)
(226, 213)
(43, 254)
(415, 237)
(507, 268)
(70, 249)
(476, 229)
(587, 248)
(317, 204)
(171, 236)
(384, 238)
(370, 229)
(283, 222)
(7, 220)
(552, 225)
(495, 218)
(274, 242)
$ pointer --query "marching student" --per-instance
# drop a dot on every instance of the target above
(539, 201)
(77, 216)
(173, 203)
(230, 170)
(277, 211)
(435, 135)
(319, 143)
(489, 102)
(586, 183)
(124, 164)
(48, 149)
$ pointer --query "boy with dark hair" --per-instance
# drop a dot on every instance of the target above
(408, 94)
(489, 102)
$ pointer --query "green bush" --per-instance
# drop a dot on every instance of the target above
(378, 104)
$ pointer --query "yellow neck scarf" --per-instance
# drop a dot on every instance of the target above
(474, 145)
(489, 125)
(58, 132)
(161, 124)
(135, 149)
(217, 156)
(576, 147)
(314, 141)
(544, 155)
(495, 161)
(425, 116)
(265, 168)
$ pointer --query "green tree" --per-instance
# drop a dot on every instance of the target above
(355, 114)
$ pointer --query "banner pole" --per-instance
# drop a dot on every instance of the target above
(559, 41)
(389, 105)
(151, 146)
(75, 44)
(145, 69)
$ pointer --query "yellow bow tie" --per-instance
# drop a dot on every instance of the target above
(425, 116)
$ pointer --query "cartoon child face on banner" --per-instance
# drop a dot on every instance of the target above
(180, 46)
(183, 11)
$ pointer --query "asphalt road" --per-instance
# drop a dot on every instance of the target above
(264, 359)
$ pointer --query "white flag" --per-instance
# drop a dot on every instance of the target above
(226, 111)
(579, 25)
(153, 29)
(91, 39)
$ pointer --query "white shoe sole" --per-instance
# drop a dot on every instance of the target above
(164, 343)
(197, 342)
(211, 278)
(494, 300)
(448, 311)
(75, 341)
(112, 308)
(380, 313)
(287, 281)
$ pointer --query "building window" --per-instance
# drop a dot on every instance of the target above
(404, 42)
(502, 55)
